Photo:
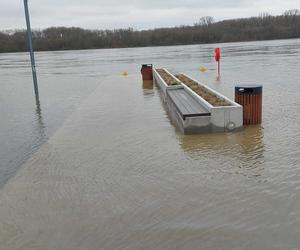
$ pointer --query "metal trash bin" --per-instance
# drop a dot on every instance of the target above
(147, 73)
(250, 97)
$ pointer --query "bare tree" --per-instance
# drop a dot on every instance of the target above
(264, 15)
(293, 12)
(205, 21)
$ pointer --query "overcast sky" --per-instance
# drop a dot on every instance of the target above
(139, 14)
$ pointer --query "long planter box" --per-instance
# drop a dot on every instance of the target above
(223, 118)
(159, 81)
(220, 118)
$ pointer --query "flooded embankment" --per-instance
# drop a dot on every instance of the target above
(112, 172)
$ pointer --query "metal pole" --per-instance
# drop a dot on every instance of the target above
(29, 34)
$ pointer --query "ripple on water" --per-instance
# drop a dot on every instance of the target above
(117, 174)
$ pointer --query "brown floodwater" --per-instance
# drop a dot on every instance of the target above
(108, 170)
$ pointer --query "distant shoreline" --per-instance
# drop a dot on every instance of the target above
(174, 45)
(262, 28)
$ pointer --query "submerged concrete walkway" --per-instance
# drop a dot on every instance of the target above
(116, 175)
(88, 184)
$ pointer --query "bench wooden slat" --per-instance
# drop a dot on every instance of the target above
(186, 104)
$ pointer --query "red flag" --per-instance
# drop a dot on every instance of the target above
(218, 54)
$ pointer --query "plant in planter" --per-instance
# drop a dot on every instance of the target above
(169, 79)
(203, 92)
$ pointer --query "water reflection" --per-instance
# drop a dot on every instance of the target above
(148, 89)
(243, 150)
(41, 135)
(147, 84)
(251, 140)
(35, 137)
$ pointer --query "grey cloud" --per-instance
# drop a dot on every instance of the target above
(139, 14)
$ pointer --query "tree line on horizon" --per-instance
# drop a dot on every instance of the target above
(263, 27)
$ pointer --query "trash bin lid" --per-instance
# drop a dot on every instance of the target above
(249, 88)
(147, 65)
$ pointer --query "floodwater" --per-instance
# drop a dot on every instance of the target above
(98, 165)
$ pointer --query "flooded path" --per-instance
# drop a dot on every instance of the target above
(117, 175)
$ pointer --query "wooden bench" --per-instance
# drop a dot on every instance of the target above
(186, 105)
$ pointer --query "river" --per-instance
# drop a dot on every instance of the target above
(99, 165)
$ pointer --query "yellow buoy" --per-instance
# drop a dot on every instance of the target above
(125, 73)
(202, 69)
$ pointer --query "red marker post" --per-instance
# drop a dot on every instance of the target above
(218, 59)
